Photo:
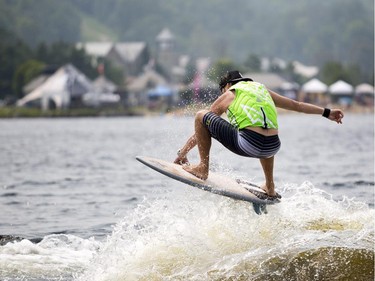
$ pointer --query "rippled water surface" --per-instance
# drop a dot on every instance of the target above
(76, 205)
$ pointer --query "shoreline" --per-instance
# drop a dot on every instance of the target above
(17, 112)
(21, 112)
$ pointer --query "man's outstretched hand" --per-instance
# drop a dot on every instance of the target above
(336, 115)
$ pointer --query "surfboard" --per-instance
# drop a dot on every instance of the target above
(215, 183)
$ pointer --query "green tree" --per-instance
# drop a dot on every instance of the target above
(355, 75)
(42, 20)
(252, 63)
(13, 52)
(116, 75)
(24, 74)
(333, 71)
(61, 53)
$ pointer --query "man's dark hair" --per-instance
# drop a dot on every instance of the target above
(232, 77)
(224, 80)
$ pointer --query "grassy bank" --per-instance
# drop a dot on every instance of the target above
(22, 112)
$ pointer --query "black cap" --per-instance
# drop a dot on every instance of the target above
(232, 77)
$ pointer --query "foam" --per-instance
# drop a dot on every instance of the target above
(190, 234)
(55, 256)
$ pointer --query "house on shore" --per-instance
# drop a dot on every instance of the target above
(66, 88)
(139, 87)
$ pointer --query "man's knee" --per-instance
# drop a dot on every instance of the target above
(200, 114)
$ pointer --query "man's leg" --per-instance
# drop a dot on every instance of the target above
(267, 165)
(181, 157)
(203, 139)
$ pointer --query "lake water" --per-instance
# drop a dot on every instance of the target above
(78, 206)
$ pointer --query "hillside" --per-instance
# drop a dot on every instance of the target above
(310, 31)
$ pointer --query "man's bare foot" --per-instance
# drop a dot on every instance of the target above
(270, 191)
(200, 171)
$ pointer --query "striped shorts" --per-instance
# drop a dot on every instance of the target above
(242, 142)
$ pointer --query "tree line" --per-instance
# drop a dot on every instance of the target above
(20, 63)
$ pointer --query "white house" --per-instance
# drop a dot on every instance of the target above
(64, 88)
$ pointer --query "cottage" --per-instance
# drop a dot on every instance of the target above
(65, 88)
(104, 93)
(139, 87)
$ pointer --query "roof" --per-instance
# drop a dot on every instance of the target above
(270, 80)
(129, 51)
(305, 70)
(97, 49)
(340, 87)
(364, 88)
(34, 83)
(149, 79)
(55, 83)
(314, 86)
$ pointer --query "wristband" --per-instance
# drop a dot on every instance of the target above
(326, 112)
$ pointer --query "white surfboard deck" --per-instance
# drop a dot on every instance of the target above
(215, 183)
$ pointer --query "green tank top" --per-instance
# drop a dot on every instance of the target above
(252, 107)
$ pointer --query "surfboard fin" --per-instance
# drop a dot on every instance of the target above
(260, 208)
